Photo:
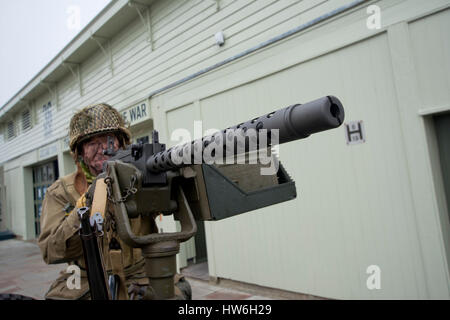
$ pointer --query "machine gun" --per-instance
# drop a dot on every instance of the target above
(195, 181)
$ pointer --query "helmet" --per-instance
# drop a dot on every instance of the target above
(93, 120)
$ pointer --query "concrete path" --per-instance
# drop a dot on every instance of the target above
(22, 271)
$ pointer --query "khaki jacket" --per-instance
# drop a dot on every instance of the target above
(60, 242)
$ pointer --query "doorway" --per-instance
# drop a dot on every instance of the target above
(197, 266)
(43, 177)
(442, 127)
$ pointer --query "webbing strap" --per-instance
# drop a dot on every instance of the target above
(100, 198)
(117, 269)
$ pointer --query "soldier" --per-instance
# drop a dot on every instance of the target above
(59, 240)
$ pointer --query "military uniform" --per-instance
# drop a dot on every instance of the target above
(60, 241)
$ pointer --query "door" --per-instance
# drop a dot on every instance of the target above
(43, 177)
(442, 125)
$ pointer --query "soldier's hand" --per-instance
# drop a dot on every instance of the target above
(81, 202)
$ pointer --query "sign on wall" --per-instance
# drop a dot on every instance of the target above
(354, 132)
(47, 151)
(137, 113)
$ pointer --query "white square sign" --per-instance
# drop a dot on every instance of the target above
(355, 133)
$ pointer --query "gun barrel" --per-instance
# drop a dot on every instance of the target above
(288, 124)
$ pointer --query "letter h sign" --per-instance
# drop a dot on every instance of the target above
(355, 133)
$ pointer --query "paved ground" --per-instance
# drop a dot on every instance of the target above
(22, 271)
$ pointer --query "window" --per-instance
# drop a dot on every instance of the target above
(142, 140)
(11, 130)
(26, 120)
(48, 119)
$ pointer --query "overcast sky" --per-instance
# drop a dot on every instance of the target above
(33, 32)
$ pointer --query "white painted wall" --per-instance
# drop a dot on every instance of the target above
(358, 206)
